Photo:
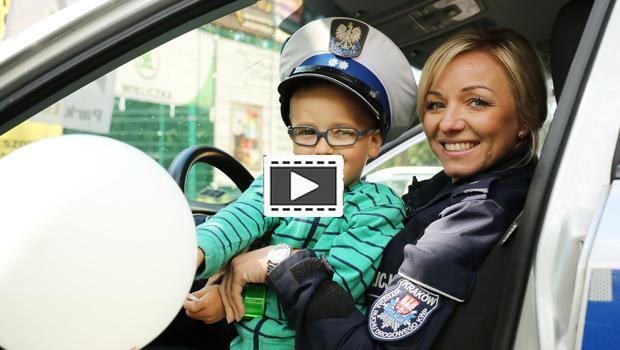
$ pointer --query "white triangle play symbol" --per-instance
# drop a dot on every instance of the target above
(301, 186)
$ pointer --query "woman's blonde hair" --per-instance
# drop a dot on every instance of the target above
(519, 58)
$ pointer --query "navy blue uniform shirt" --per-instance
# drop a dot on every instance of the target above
(427, 269)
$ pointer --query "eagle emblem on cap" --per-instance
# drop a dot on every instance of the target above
(347, 37)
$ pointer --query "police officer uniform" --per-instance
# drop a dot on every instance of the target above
(427, 270)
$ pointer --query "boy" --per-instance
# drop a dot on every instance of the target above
(345, 101)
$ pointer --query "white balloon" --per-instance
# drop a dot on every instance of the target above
(97, 246)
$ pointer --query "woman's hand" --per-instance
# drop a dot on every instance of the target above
(249, 267)
(208, 308)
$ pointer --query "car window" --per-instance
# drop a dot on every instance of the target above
(17, 15)
(412, 158)
(215, 85)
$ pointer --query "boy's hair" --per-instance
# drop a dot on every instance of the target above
(308, 85)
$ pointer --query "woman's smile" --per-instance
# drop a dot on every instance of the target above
(458, 146)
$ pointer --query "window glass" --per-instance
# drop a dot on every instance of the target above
(415, 160)
(17, 15)
(397, 172)
(208, 191)
(215, 85)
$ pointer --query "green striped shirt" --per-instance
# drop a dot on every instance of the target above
(353, 245)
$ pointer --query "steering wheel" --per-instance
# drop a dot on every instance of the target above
(213, 156)
(185, 331)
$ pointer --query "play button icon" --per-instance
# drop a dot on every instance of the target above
(301, 186)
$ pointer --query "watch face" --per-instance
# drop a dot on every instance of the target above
(278, 253)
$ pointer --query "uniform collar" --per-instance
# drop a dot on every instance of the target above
(440, 186)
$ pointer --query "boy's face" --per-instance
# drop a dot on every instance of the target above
(326, 106)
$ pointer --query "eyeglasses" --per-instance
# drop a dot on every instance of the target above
(335, 137)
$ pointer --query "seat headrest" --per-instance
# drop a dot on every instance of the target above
(567, 29)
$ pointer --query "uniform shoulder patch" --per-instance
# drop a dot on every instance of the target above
(400, 312)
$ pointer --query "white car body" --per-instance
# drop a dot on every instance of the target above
(572, 297)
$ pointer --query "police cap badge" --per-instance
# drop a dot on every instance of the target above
(347, 37)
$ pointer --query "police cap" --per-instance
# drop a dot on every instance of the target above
(357, 57)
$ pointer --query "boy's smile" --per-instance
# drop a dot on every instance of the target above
(323, 105)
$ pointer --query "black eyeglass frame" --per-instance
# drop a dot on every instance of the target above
(319, 134)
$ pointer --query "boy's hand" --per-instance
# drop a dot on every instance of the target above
(208, 308)
(250, 267)
(217, 278)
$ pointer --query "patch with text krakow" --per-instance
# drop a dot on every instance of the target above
(401, 311)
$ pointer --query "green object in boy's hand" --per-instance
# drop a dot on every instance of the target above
(254, 300)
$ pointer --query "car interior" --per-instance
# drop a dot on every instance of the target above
(418, 27)
(556, 28)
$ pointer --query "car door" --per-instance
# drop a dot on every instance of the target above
(571, 188)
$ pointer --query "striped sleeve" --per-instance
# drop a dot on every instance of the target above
(356, 253)
(233, 229)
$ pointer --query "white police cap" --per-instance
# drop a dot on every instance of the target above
(358, 57)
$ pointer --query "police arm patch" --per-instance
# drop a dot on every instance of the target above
(400, 312)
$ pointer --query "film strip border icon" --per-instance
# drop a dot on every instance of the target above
(304, 209)
(304, 162)
(296, 185)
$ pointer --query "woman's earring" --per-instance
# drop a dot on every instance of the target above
(521, 134)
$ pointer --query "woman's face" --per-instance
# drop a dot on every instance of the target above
(470, 115)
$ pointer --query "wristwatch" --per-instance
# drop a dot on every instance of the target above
(276, 255)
